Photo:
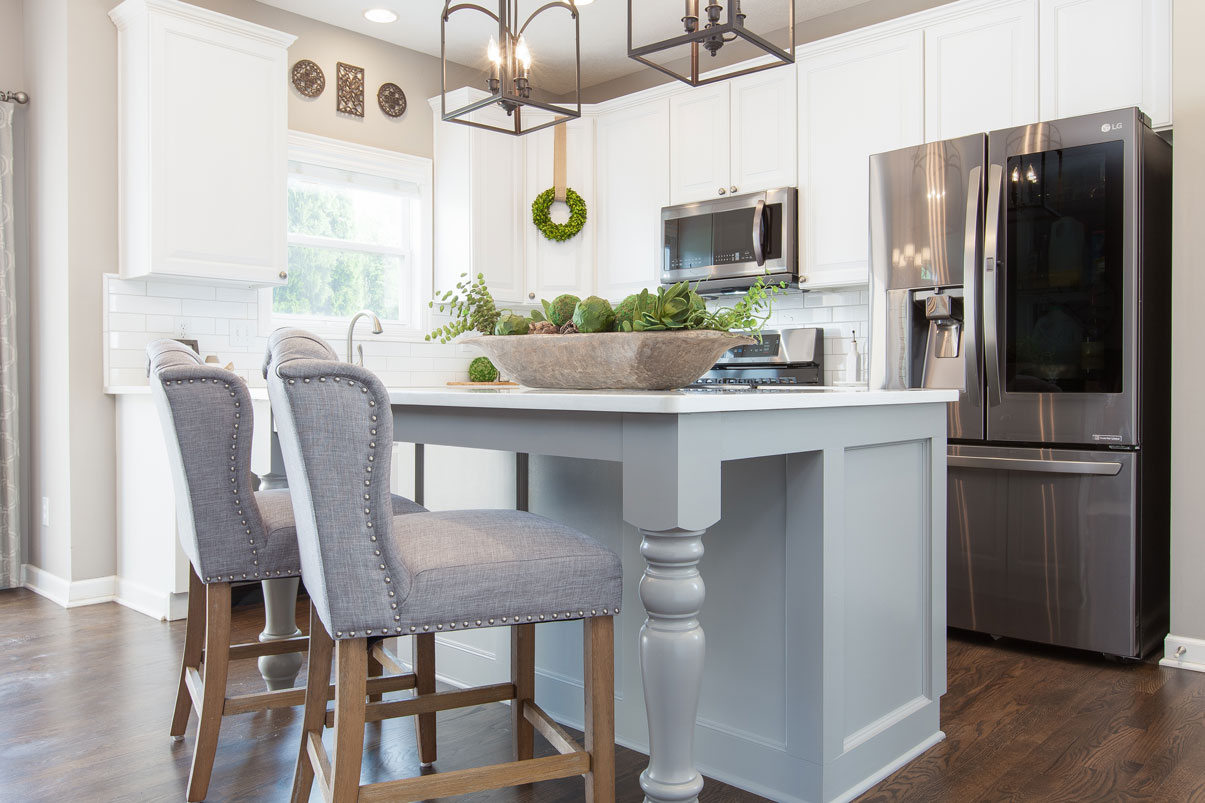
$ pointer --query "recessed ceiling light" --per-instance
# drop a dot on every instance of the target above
(380, 15)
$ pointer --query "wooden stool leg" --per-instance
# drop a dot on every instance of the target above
(523, 675)
(375, 670)
(213, 698)
(599, 670)
(424, 671)
(317, 682)
(351, 675)
(194, 643)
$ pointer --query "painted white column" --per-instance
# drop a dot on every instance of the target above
(672, 647)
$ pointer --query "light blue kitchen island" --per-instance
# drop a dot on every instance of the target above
(823, 513)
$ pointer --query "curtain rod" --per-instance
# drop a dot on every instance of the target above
(18, 97)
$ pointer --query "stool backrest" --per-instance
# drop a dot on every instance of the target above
(208, 424)
(336, 436)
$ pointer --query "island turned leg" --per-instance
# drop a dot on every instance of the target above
(671, 661)
(280, 622)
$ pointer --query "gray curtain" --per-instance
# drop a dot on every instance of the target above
(10, 524)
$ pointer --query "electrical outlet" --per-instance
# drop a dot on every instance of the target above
(180, 326)
(45, 511)
(240, 334)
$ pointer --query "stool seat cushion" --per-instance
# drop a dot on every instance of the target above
(279, 556)
(477, 566)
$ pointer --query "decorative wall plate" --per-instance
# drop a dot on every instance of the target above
(350, 89)
(308, 78)
(392, 100)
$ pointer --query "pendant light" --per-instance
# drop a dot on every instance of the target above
(510, 96)
(721, 35)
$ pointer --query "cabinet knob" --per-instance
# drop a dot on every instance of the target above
(531, 295)
(284, 274)
(732, 189)
(722, 190)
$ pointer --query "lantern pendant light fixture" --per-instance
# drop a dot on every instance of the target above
(510, 83)
(723, 22)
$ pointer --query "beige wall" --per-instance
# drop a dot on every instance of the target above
(12, 71)
(416, 73)
(1188, 356)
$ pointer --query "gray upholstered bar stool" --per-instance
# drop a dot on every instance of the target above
(372, 575)
(231, 535)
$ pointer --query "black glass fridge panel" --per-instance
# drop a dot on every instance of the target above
(1064, 319)
(721, 238)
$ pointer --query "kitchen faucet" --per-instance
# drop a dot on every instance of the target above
(351, 328)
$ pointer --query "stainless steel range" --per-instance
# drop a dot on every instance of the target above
(788, 356)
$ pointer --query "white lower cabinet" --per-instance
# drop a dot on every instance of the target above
(854, 101)
(633, 186)
(555, 267)
(1100, 55)
(981, 70)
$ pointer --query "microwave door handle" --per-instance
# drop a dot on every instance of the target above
(970, 270)
(759, 212)
(991, 267)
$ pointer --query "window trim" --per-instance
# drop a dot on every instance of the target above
(342, 155)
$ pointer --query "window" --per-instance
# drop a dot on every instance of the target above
(359, 223)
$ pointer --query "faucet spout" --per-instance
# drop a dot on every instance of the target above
(351, 329)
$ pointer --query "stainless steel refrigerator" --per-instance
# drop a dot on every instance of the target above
(1031, 269)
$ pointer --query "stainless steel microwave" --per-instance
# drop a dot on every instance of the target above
(727, 243)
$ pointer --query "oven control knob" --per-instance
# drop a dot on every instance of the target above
(722, 190)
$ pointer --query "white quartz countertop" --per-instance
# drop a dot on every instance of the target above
(667, 401)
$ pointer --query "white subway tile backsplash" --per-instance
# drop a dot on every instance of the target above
(179, 290)
(856, 313)
(127, 322)
(217, 309)
(245, 294)
(127, 358)
(121, 377)
(147, 305)
(126, 287)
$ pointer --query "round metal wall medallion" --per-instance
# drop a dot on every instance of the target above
(392, 100)
(308, 78)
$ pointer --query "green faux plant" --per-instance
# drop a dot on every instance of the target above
(511, 324)
(482, 370)
(472, 309)
(594, 314)
(559, 311)
(541, 215)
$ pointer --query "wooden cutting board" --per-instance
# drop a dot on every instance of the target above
(485, 384)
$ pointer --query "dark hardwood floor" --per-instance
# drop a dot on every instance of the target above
(86, 696)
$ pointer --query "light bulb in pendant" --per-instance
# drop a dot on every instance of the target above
(523, 54)
(493, 54)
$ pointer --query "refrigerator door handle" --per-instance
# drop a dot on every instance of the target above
(970, 270)
(991, 265)
(1101, 469)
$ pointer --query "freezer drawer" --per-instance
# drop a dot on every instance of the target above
(1043, 545)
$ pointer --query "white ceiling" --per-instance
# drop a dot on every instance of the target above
(603, 28)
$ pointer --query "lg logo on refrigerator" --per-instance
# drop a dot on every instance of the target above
(1107, 127)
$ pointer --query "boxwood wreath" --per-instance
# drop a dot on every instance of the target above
(560, 232)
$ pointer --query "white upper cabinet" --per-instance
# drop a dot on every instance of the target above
(732, 137)
(1100, 55)
(699, 133)
(855, 100)
(554, 267)
(633, 186)
(478, 211)
(765, 145)
(203, 144)
(981, 70)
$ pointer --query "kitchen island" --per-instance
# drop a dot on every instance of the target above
(824, 513)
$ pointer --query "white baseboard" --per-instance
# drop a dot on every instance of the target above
(1183, 652)
(68, 593)
(160, 605)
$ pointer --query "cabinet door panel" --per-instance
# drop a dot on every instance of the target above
(567, 267)
(633, 186)
(699, 128)
(197, 157)
(853, 102)
(981, 71)
(497, 222)
(1094, 60)
(765, 145)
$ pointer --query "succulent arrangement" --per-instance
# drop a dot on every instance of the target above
(667, 309)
